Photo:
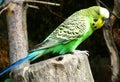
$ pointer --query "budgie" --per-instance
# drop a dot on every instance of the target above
(68, 35)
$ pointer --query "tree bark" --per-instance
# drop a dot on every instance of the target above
(68, 68)
(107, 31)
(17, 33)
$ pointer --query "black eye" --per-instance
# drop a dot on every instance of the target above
(95, 27)
(104, 18)
(95, 19)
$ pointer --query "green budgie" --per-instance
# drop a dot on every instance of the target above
(68, 35)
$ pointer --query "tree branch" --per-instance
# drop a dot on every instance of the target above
(107, 31)
(6, 4)
(43, 2)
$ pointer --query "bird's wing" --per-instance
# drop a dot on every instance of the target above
(72, 28)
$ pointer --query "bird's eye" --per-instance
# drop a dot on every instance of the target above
(95, 19)
(104, 18)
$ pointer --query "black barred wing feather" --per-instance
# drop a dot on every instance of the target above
(72, 28)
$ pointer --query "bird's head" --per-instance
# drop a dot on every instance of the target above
(100, 16)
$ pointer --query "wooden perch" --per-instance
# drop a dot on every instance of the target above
(68, 68)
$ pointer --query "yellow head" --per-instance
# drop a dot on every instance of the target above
(99, 20)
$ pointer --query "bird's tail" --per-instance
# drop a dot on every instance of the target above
(28, 57)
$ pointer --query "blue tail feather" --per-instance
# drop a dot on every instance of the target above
(12, 66)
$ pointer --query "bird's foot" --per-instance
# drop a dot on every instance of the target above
(82, 52)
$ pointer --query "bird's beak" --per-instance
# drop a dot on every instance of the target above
(104, 19)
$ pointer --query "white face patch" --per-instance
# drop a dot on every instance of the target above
(104, 12)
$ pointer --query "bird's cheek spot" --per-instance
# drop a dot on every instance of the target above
(95, 27)
(93, 24)
(59, 59)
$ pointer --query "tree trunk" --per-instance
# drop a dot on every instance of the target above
(17, 33)
(68, 68)
(107, 31)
